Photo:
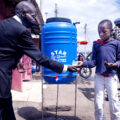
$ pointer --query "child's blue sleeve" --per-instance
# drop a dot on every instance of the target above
(92, 62)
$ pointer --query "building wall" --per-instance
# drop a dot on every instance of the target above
(5, 11)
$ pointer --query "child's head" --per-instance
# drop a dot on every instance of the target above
(105, 29)
(117, 22)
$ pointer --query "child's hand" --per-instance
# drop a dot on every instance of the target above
(79, 65)
(108, 64)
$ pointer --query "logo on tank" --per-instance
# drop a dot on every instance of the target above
(59, 55)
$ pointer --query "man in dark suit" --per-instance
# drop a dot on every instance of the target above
(15, 41)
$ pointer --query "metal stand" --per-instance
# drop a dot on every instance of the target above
(42, 102)
(57, 101)
(75, 99)
(57, 98)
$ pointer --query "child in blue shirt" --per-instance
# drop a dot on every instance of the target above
(106, 58)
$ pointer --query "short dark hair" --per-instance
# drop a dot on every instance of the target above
(107, 22)
(22, 6)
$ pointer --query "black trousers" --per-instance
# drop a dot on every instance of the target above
(6, 109)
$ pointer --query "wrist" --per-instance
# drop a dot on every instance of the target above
(65, 68)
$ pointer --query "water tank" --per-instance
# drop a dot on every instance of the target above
(59, 42)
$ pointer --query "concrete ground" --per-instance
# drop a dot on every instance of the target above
(28, 104)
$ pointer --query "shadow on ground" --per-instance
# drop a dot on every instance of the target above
(83, 80)
(31, 113)
(88, 93)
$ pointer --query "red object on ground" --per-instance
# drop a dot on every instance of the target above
(84, 42)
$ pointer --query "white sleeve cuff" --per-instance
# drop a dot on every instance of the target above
(65, 68)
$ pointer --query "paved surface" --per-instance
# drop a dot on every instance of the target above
(31, 92)
(27, 105)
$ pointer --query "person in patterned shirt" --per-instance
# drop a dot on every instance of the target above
(116, 35)
(116, 29)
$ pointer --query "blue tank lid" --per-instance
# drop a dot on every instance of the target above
(53, 19)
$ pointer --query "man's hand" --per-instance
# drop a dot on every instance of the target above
(72, 68)
(108, 64)
(75, 68)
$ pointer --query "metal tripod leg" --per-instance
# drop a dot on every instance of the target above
(75, 99)
(57, 100)
(42, 102)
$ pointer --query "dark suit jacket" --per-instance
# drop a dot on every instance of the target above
(15, 40)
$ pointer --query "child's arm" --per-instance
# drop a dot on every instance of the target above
(92, 62)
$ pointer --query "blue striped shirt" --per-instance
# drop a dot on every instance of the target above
(109, 51)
